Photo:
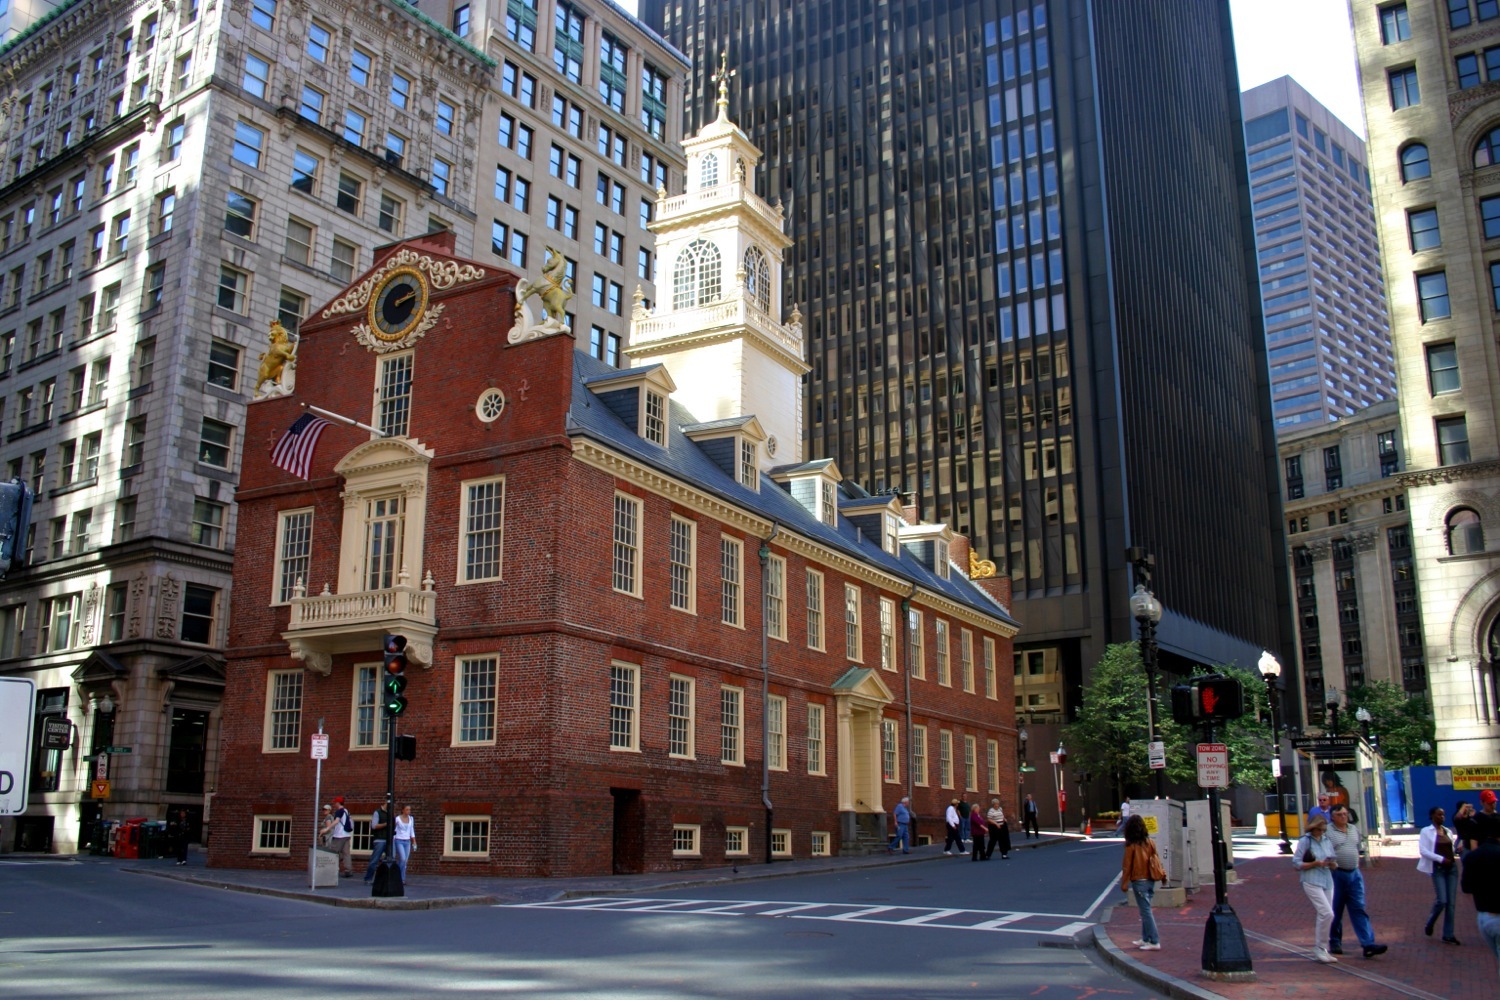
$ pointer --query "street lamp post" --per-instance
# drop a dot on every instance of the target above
(1060, 760)
(1270, 672)
(1146, 610)
(1332, 699)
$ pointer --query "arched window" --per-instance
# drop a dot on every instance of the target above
(710, 174)
(758, 278)
(1488, 149)
(1465, 532)
(1414, 163)
(695, 280)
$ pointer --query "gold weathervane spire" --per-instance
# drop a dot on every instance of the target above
(722, 77)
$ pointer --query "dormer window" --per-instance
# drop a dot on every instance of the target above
(748, 471)
(940, 558)
(828, 511)
(889, 540)
(653, 418)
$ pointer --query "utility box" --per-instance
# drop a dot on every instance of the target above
(1200, 841)
(1163, 818)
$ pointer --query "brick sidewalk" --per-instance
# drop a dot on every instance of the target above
(1278, 922)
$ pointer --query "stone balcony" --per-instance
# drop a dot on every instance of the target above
(325, 624)
(719, 195)
(648, 332)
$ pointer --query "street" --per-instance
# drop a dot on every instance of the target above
(943, 928)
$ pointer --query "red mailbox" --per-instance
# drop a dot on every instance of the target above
(128, 842)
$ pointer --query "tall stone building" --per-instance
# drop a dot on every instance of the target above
(174, 177)
(1349, 542)
(1327, 337)
(1432, 106)
(1028, 280)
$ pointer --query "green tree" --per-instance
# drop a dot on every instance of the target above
(1109, 735)
(1399, 723)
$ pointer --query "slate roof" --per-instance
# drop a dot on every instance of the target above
(682, 459)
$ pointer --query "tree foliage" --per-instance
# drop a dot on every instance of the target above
(1399, 724)
(1110, 733)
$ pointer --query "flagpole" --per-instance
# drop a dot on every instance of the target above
(348, 421)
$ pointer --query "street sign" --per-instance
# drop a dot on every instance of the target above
(57, 734)
(99, 788)
(101, 766)
(1052, 757)
(1275, 767)
(1213, 765)
(118, 750)
(1326, 745)
(17, 712)
(1156, 753)
(319, 746)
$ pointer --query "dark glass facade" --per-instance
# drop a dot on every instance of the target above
(1024, 256)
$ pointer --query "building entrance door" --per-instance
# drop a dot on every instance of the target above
(629, 847)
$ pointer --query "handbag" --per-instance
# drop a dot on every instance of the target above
(1154, 868)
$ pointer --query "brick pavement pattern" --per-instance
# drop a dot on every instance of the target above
(1278, 924)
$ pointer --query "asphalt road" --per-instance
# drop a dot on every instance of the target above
(946, 928)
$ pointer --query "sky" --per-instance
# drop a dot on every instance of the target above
(1319, 55)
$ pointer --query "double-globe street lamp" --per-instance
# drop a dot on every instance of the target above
(1270, 672)
(1146, 610)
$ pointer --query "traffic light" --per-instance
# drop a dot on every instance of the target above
(15, 519)
(395, 674)
(1210, 698)
(406, 748)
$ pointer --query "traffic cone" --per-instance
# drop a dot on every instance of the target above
(1088, 827)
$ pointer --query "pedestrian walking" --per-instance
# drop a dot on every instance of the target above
(325, 827)
(902, 815)
(1465, 827)
(1124, 816)
(1029, 818)
(978, 828)
(1349, 887)
(1482, 881)
(1314, 860)
(963, 815)
(999, 831)
(954, 844)
(1487, 819)
(406, 839)
(1437, 846)
(1140, 870)
(1321, 809)
(380, 838)
(340, 834)
(182, 831)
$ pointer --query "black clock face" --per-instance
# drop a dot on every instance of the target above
(398, 305)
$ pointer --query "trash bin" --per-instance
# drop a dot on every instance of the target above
(99, 837)
(128, 840)
(153, 839)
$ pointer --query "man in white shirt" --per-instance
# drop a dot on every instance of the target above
(340, 836)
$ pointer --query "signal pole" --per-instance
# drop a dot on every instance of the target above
(394, 653)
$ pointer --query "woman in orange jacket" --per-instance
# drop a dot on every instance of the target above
(1139, 873)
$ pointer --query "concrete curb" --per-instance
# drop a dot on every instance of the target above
(626, 887)
(1179, 989)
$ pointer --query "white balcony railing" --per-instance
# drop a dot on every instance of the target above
(720, 194)
(735, 312)
(325, 624)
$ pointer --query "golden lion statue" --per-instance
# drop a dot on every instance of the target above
(274, 361)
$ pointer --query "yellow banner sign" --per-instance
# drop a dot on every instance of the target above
(1473, 778)
(99, 788)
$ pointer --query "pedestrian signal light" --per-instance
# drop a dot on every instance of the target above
(1210, 698)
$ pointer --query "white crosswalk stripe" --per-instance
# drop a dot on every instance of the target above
(998, 921)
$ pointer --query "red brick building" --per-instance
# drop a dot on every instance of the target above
(642, 643)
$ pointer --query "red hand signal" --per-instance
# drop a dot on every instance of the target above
(1210, 700)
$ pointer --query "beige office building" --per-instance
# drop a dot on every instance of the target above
(1431, 85)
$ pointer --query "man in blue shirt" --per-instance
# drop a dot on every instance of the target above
(902, 815)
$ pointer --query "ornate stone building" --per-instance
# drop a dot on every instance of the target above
(1432, 108)
(174, 177)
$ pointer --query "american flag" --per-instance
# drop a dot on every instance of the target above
(294, 451)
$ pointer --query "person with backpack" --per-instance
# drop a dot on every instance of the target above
(341, 835)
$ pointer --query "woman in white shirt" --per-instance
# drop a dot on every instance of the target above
(405, 839)
(1439, 859)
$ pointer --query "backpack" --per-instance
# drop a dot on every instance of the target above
(348, 825)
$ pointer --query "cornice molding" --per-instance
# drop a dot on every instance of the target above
(1449, 474)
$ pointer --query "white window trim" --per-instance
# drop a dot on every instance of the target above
(776, 570)
(277, 580)
(738, 547)
(893, 727)
(971, 763)
(739, 759)
(888, 635)
(826, 841)
(696, 851)
(692, 718)
(379, 707)
(822, 714)
(692, 565)
(992, 761)
(918, 652)
(635, 709)
(456, 736)
(639, 507)
(260, 821)
(448, 822)
(265, 728)
(856, 653)
(461, 558)
(966, 659)
(942, 648)
(919, 774)
(945, 753)
(785, 837)
(744, 851)
(771, 733)
(822, 637)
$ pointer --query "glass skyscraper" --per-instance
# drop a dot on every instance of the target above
(1024, 254)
